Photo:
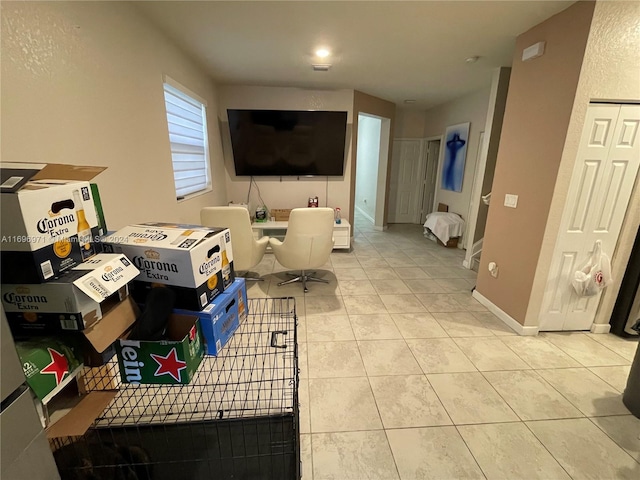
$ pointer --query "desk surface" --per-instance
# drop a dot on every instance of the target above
(285, 224)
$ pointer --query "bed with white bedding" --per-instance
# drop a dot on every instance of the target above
(444, 226)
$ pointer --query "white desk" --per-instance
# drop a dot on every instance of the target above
(341, 232)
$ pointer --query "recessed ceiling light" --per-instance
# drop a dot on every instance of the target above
(409, 101)
(322, 52)
(473, 59)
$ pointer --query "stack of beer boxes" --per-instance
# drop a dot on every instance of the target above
(196, 263)
(58, 291)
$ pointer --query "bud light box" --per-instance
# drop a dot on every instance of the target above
(196, 262)
(49, 220)
(76, 301)
(221, 318)
(172, 361)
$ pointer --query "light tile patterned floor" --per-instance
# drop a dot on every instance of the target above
(405, 376)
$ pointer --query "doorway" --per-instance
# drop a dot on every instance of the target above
(371, 168)
(413, 179)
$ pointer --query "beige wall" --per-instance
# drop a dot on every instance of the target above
(470, 108)
(286, 192)
(537, 115)
(363, 103)
(409, 123)
(610, 71)
(82, 84)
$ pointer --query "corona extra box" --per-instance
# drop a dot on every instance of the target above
(221, 318)
(171, 361)
(75, 301)
(196, 262)
(48, 220)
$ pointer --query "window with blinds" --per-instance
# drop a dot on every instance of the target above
(187, 121)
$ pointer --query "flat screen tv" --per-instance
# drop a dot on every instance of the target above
(288, 142)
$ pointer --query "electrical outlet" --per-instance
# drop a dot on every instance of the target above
(493, 269)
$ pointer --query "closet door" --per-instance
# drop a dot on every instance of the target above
(406, 186)
(605, 172)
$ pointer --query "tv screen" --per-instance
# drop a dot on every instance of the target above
(288, 142)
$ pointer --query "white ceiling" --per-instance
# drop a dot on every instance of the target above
(394, 50)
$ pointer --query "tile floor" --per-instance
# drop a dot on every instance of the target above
(403, 375)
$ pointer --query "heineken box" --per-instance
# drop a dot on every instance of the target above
(48, 363)
(196, 262)
(75, 301)
(222, 317)
(48, 219)
(171, 361)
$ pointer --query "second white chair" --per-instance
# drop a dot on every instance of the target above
(307, 244)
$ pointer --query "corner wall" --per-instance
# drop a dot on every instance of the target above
(610, 72)
(363, 103)
(538, 110)
(82, 84)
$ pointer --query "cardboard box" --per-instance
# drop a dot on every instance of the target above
(239, 290)
(98, 341)
(75, 301)
(194, 261)
(172, 361)
(281, 214)
(451, 243)
(48, 363)
(222, 317)
(42, 221)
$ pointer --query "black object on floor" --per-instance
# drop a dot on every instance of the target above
(152, 324)
(242, 449)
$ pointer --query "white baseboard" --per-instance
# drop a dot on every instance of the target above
(600, 328)
(380, 229)
(365, 214)
(504, 316)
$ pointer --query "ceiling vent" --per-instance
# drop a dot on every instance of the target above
(321, 67)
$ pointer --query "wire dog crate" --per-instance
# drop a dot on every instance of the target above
(236, 419)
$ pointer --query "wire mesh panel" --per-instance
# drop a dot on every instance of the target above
(236, 419)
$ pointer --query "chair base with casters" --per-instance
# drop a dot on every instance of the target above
(304, 277)
(307, 244)
(248, 276)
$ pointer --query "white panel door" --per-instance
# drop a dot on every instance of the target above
(408, 185)
(604, 175)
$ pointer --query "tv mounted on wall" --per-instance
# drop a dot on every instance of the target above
(288, 142)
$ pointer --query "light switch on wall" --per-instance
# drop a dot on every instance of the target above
(511, 200)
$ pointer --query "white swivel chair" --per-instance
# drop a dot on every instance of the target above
(307, 244)
(247, 251)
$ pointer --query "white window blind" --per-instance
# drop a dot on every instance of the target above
(186, 118)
